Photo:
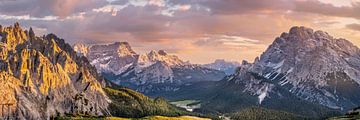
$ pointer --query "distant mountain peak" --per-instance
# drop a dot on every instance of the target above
(152, 52)
(162, 56)
(162, 52)
(305, 34)
(81, 49)
(229, 67)
(300, 30)
(122, 43)
(220, 61)
(144, 72)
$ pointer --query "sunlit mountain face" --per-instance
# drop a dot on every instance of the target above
(180, 59)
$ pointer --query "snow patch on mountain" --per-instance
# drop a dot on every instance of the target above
(262, 95)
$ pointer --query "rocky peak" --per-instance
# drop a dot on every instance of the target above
(301, 31)
(124, 48)
(162, 56)
(229, 67)
(31, 33)
(81, 49)
(44, 75)
(13, 36)
(152, 53)
(162, 52)
(108, 58)
(118, 48)
(305, 62)
(304, 35)
(158, 53)
(220, 61)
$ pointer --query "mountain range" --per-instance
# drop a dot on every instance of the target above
(229, 67)
(44, 78)
(151, 73)
(305, 72)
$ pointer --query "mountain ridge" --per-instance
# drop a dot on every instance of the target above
(312, 65)
(304, 54)
(229, 67)
(148, 72)
(305, 72)
(42, 76)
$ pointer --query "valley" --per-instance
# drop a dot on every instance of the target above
(189, 105)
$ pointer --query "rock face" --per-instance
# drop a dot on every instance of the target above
(112, 58)
(229, 67)
(143, 72)
(311, 65)
(43, 76)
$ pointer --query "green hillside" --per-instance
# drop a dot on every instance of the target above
(257, 113)
(131, 104)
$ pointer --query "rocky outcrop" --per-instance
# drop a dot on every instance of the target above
(43, 76)
(110, 58)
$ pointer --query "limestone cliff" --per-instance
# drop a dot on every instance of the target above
(42, 77)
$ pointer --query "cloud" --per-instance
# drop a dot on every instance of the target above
(41, 8)
(317, 7)
(354, 26)
(245, 6)
(226, 40)
(27, 17)
(231, 29)
(226, 7)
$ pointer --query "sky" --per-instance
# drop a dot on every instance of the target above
(196, 30)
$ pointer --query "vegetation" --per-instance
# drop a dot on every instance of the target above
(257, 113)
(346, 117)
(128, 104)
(173, 118)
(131, 104)
(220, 97)
(353, 114)
(144, 118)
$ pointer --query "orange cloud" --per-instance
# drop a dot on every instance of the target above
(196, 30)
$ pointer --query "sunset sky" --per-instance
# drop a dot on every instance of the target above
(196, 30)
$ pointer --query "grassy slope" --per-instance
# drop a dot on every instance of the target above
(128, 103)
(347, 117)
(256, 113)
(144, 118)
(160, 118)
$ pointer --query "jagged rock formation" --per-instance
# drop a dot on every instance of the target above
(228, 67)
(154, 71)
(43, 76)
(311, 65)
